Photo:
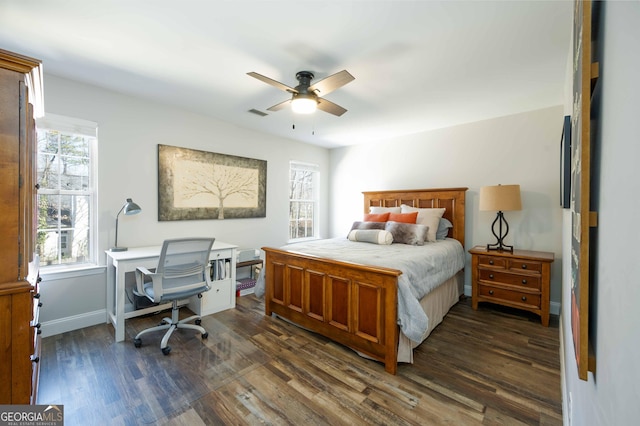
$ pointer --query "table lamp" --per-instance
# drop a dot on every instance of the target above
(501, 198)
(129, 208)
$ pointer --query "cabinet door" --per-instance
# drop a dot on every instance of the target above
(27, 170)
(10, 205)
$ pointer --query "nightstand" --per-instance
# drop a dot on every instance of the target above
(520, 279)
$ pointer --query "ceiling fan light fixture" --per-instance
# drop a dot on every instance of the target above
(304, 104)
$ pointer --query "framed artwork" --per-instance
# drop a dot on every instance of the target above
(565, 163)
(584, 75)
(195, 185)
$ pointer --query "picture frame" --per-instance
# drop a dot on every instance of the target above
(585, 74)
(202, 185)
(565, 163)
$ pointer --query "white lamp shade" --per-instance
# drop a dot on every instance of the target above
(500, 198)
(303, 105)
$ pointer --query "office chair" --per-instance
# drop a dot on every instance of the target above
(183, 271)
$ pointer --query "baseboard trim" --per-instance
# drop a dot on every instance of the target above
(75, 322)
(566, 420)
(554, 307)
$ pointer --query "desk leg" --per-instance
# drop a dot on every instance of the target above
(120, 290)
(115, 296)
(111, 289)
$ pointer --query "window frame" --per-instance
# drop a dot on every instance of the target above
(315, 201)
(86, 129)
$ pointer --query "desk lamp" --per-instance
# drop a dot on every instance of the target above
(501, 198)
(129, 208)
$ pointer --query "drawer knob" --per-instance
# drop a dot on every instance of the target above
(39, 304)
(491, 262)
(35, 358)
(524, 266)
(524, 298)
(38, 325)
(491, 276)
(524, 282)
(36, 296)
(491, 292)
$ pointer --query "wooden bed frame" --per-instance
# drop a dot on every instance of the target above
(352, 304)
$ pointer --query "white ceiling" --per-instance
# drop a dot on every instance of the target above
(418, 65)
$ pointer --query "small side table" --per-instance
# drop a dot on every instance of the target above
(520, 279)
(249, 263)
(246, 285)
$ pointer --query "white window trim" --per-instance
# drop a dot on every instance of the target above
(300, 165)
(88, 128)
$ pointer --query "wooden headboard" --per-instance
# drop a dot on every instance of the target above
(452, 199)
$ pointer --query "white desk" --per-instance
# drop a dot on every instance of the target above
(220, 297)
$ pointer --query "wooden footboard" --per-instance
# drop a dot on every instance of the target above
(355, 305)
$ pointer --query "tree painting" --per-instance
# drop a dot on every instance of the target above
(201, 184)
(205, 185)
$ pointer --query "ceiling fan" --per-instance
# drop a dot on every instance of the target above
(306, 96)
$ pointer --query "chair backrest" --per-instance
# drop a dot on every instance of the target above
(183, 264)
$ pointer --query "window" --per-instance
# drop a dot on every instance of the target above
(66, 164)
(303, 200)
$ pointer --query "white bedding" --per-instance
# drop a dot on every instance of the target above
(423, 269)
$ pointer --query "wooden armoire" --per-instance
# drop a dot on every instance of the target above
(20, 96)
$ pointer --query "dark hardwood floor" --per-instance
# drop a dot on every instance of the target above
(492, 366)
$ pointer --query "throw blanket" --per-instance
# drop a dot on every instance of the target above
(423, 269)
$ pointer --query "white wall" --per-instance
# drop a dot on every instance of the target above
(518, 149)
(129, 131)
(611, 396)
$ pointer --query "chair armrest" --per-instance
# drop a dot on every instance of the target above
(140, 273)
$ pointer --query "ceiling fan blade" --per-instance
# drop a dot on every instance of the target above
(331, 83)
(272, 82)
(330, 107)
(278, 107)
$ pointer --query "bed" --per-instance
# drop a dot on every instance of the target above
(356, 303)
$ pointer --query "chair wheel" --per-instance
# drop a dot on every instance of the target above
(166, 350)
(198, 321)
(205, 335)
(137, 343)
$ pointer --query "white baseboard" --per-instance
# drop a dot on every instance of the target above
(566, 420)
(75, 322)
(554, 307)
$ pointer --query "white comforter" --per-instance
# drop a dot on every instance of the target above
(423, 269)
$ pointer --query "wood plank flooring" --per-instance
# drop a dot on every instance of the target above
(493, 366)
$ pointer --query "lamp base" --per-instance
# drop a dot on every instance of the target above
(500, 247)
(118, 249)
(500, 235)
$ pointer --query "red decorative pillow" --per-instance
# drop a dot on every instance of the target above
(403, 217)
(376, 217)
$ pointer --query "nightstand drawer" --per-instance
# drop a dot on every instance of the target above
(502, 295)
(521, 280)
(492, 262)
(524, 265)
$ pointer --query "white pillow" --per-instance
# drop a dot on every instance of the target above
(378, 210)
(375, 236)
(426, 216)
